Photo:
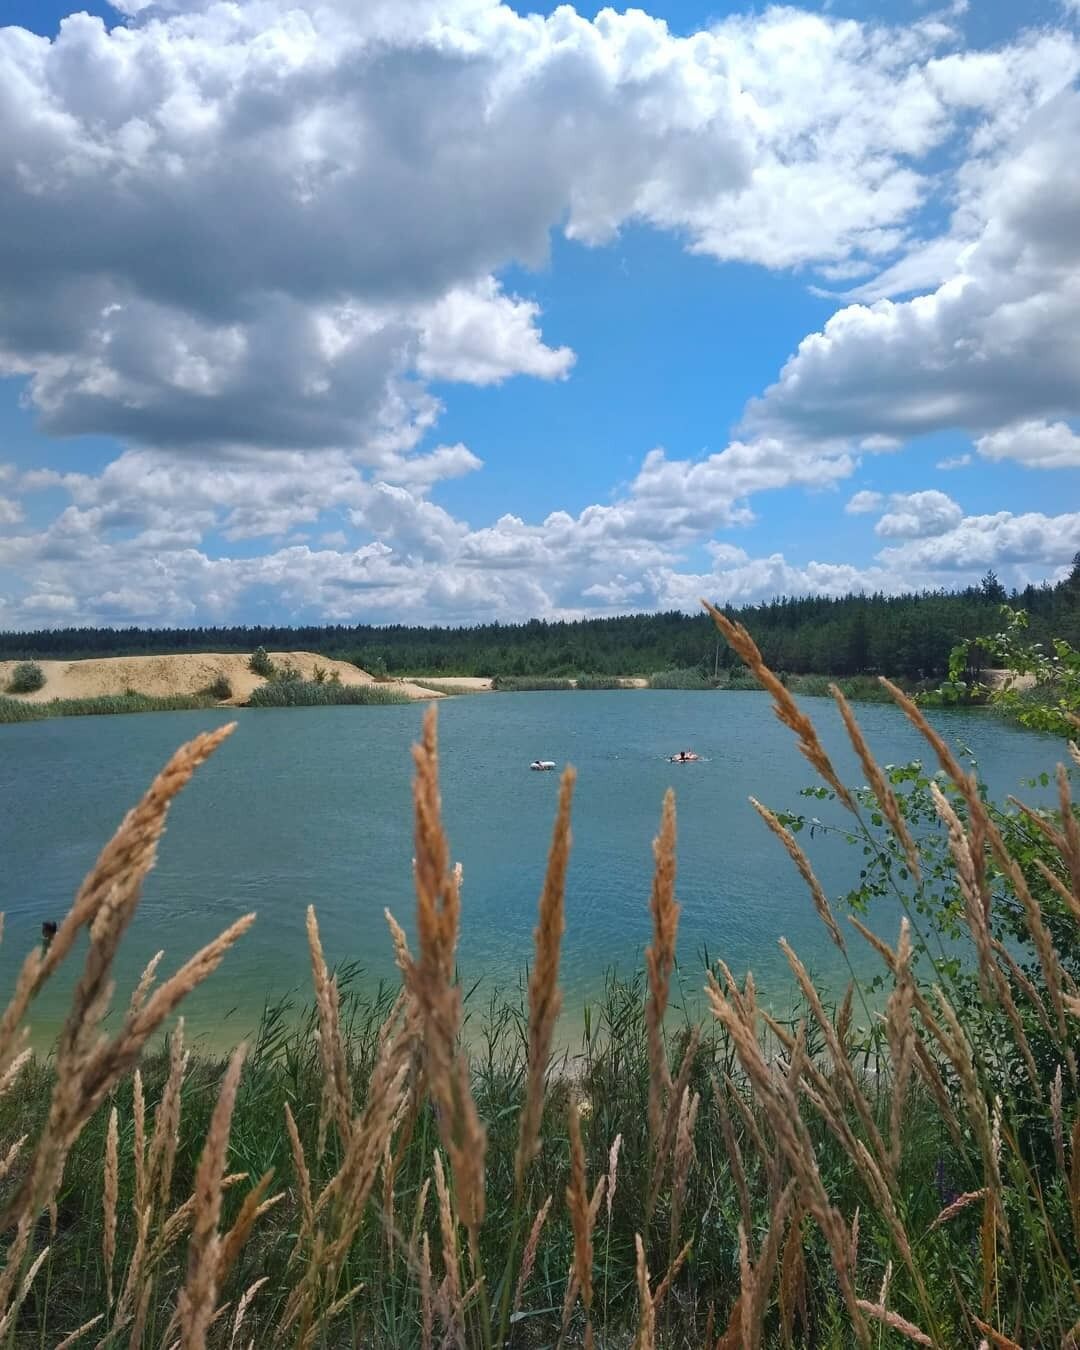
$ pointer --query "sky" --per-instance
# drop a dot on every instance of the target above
(449, 311)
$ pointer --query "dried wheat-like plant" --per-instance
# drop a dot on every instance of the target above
(659, 963)
(545, 999)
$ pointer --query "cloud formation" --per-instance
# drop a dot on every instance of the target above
(258, 244)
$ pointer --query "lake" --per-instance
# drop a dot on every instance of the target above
(313, 806)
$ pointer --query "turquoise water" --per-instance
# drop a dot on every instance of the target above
(313, 806)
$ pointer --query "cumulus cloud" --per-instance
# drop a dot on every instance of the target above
(1036, 445)
(863, 503)
(953, 462)
(918, 515)
(996, 343)
(1001, 539)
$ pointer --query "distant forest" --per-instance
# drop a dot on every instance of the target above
(908, 636)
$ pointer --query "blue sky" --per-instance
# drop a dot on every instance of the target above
(441, 313)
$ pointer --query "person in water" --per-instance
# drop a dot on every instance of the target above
(48, 932)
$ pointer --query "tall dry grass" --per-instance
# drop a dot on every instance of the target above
(749, 1181)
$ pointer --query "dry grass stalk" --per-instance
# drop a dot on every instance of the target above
(734, 1152)
(659, 963)
(900, 1034)
(1055, 1117)
(451, 1256)
(792, 1293)
(252, 1209)
(959, 1052)
(14, 1068)
(663, 1151)
(671, 1275)
(146, 981)
(1070, 828)
(166, 1135)
(79, 1332)
(430, 980)
(950, 1211)
(427, 1316)
(886, 798)
(646, 1332)
(841, 1062)
(8, 1160)
(138, 1115)
(897, 1323)
(418, 1219)
(532, 1243)
(88, 1065)
(198, 1298)
(402, 955)
(336, 1087)
(779, 1101)
(8, 1319)
(545, 1000)
(242, 1307)
(802, 862)
(303, 1180)
(109, 893)
(112, 1166)
(785, 707)
(613, 1172)
(684, 1158)
(582, 1218)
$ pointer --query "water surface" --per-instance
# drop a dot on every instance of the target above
(313, 806)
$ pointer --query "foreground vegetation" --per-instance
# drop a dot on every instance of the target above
(908, 1176)
(906, 636)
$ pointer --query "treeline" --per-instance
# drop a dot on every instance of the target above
(903, 635)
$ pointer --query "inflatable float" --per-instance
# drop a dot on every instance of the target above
(542, 764)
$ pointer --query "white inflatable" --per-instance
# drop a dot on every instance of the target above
(542, 764)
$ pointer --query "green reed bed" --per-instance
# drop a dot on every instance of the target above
(315, 694)
(17, 710)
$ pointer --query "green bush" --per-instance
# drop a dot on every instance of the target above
(260, 664)
(26, 678)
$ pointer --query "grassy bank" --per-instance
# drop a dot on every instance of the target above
(18, 710)
(854, 1179)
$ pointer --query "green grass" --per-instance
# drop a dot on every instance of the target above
(311, 694)
(16, 710)
(680, 679)
(601, 682)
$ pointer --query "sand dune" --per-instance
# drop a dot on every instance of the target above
(164, 675)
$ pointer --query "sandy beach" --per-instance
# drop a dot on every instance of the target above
(161, 676)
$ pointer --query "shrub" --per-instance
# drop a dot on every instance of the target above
(691, 678)
(26, 678)
(219, 688)
(260, 664)
(319, 674)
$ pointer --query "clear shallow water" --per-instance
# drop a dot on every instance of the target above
(313, 806)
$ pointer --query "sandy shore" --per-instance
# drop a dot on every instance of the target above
(161, 676)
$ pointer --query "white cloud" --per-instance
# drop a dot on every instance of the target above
(10, 512)
(864, 502)
(953, 462)
(1036, 445)
(918, 515)
(481, 336)
(1002, 539)
(996, 343)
